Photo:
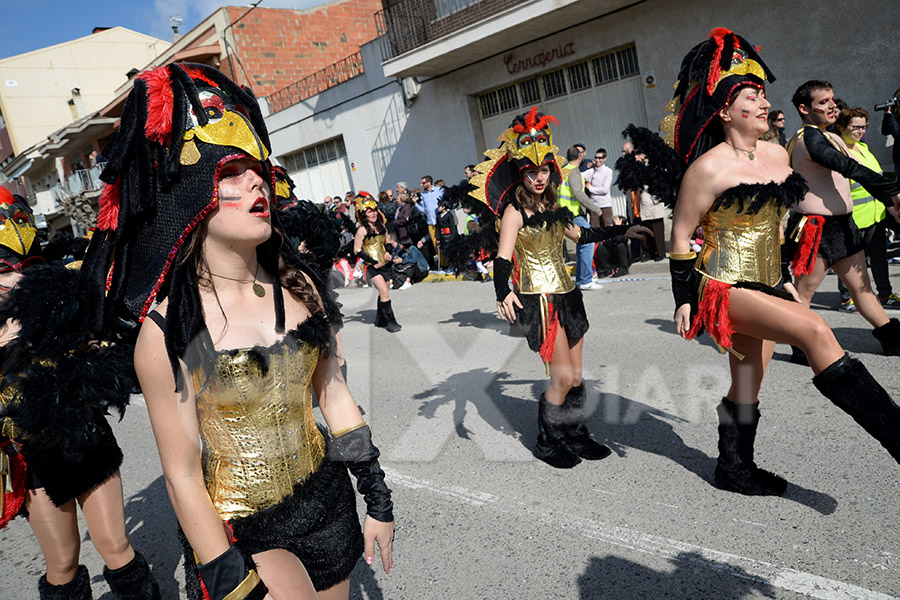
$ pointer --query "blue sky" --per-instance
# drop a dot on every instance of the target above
(27, 25)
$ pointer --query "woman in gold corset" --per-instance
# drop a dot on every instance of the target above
(519, 183)
(737, 188)
(236, 344)
(370, 245)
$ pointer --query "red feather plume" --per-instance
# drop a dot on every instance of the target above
(718, 35)
(532, 121)
(160, 101)
(108, 217)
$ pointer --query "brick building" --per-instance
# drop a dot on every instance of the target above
(283, 51)
(274, 48)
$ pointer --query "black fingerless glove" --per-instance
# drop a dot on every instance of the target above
(591, 235)
(366, 258)
(502, 271)
(786, 276)
(228, 575)
(355, 448)
(685, 280)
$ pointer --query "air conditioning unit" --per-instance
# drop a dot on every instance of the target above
(411, 88)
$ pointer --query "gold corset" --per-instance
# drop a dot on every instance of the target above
(542, 269)
(8, 429)
(742, 247)
(259, 435)
(374, 247)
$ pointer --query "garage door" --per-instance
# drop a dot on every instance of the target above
(594, 100)
(320, 170)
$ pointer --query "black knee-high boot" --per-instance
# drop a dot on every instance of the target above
(551, 443)
(134, 581)
(385, 317)
(735, 470)
(578, 438)
(77, 589)
(850, 386)
(888, 335)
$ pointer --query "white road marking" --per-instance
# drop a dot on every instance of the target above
(813, 586)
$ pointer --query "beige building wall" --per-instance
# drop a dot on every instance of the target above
(36, 87)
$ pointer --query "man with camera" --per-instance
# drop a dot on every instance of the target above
(891, 126)
(820, 232)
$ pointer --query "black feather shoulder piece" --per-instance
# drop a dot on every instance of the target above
(751, 197)
(61, 372)
(316, 229)
(316, 331)
(662, 172)
(548, 218)
(52, 305)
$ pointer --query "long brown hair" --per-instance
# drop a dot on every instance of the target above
(526, 200)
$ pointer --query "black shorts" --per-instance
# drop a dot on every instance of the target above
(569, 307)
(840, 237)
(318, 523)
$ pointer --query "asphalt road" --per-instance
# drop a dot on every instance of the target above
(451, 401)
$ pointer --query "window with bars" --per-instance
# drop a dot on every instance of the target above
(315, 155)
(598, 70)
(605, 68)
(628, 62)
(508, 98)
(554, 84)
(531, 91)
(489, 105)
(579, 76)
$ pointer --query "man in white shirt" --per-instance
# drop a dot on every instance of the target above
(598, 181)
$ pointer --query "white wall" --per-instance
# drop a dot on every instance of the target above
(440, 132)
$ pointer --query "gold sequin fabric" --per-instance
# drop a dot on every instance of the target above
(742, 247)
(8, 429)
(257, 427)
(542, 269)
(374, 247)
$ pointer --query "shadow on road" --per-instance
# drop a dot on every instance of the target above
(363, 584)
(668, 326)
(613, 419)
(694, 576)
(480, 320)
(151, 525)
(362, 316)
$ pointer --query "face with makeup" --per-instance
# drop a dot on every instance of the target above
(372, 215)
(536, 179)
(822, 111)
(748, 111)
(245, 200)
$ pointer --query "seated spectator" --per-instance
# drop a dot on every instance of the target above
(613, 255)
(410, 266)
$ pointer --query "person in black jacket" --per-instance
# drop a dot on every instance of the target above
(446, 230)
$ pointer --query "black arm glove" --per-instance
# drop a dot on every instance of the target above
(600, 233)
(502, 270)
(786, 264)
(685, 281)
(357, 450)
(366, 258)
(228, 575)
(821, 151)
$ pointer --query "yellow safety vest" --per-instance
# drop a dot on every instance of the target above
(564, 194)
(866, 210)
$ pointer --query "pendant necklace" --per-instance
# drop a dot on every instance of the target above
(749, 152)
(258, 289)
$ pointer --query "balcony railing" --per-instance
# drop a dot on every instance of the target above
(339, 72)
(405, 25)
